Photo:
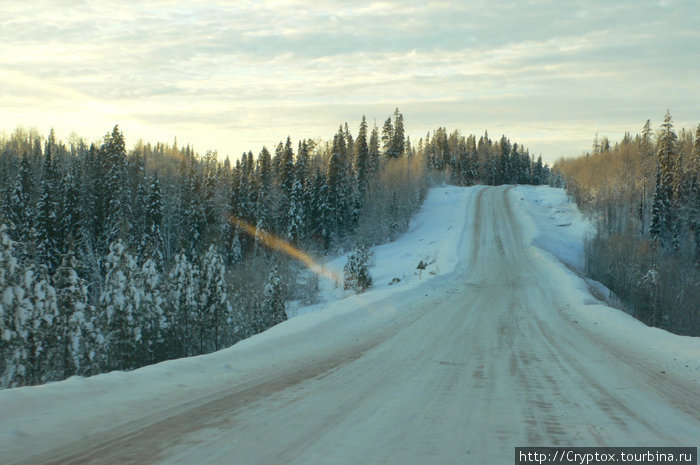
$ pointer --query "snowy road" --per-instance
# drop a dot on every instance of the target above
(460, 369)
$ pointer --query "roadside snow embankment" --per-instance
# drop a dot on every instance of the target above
(559, 226)
(433, 237)
(556, 226)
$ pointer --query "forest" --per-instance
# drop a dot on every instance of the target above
(643, 194)
(114, 258)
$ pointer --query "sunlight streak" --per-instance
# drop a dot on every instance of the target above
(273, 242)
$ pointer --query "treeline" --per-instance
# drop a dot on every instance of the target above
(115, 259)
(644, 193)
(466, 161)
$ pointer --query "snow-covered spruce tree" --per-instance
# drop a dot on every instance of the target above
(286, 181)
(46, 215)
(140, 185)
(295, 221)
(18, 208)
(12, 344)
(213, 314)
(182, 303)
(303, 174)
(236, 251)
(121, 302)
(70, 214)
(272, 310)
(662, 215)
(155, 323)
(75, 319)
(152, 242)
(116, 187)
(248, 189)
(211, 211)
(316, 182)
(332, 194)
(193, 216)
(356, 270)
(94, 205)
(36, 317)
(321, 214)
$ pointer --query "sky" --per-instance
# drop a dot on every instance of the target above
(233, 76)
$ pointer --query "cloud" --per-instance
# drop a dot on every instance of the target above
(247, 71)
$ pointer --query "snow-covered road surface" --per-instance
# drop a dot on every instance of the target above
(459, 369)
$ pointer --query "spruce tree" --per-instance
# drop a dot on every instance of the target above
(694, 195)
(38, 315)
(74, 319)
(273, 304)
(237, 250)
(394, 217)
(19, 208)
(362, 161)
(263, 205)
(666, 158)
(356, 271)
(295, 220)
(666, 154)
(287, 177)
(211, 213)
(120, 302)
(374, 150)
(265, 169)
(152, 242)
(154, 320)
(388, 139)
(323, 226)
(139, 185)
(193, 221)
(658, 207)
(184, 280)
(503, 175)
(349, 142)
(47, 215)
(94, 199)
(116, 187)
(213, 304)
(398, 136)
(70, 210)
(277, 161)
(334, 194)
(12, 313)
(304, 177)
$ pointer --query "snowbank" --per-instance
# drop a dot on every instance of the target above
(557, 229)
(433, 236)
(560, 227)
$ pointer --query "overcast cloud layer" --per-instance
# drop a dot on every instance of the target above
(233, 76)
